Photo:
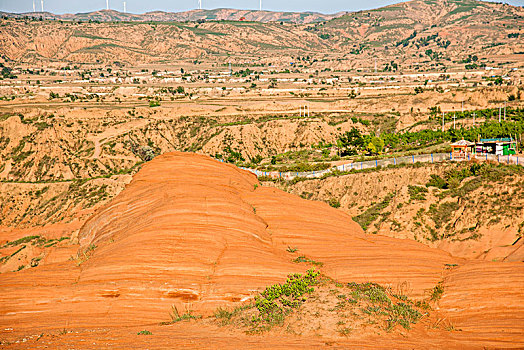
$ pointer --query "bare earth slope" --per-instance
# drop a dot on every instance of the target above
(221, 14)
(450, 29)
(475, 229)
(193, 232)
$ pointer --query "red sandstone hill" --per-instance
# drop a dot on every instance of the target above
(193, 232)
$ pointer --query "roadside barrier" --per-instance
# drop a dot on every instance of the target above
(421, 158)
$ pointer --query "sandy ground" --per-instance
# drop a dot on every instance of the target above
(196, 233)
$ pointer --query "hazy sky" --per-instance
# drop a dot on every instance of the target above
(140, 6)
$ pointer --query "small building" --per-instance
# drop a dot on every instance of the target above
(498, 146)
(462, 149)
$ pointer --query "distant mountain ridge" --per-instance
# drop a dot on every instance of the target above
(191, 16)
(436, 33)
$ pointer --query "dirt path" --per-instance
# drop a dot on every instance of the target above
(100, 139)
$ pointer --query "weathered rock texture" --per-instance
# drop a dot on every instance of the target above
(193, 232)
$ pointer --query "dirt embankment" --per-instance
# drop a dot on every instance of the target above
(196, 233)
(481, 217)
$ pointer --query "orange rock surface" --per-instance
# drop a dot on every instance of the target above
(193, 232)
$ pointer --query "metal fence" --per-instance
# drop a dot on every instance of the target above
(370, 164)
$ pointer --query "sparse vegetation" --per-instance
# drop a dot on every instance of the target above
(272, 305)
(437, 292)
(286, 304)
(373, 212)
(177, 317)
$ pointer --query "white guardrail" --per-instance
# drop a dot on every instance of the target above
(369, 164)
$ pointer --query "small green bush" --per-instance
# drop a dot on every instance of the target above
(437, 181)
(437, 292)
(334, 203)
(276, 301)
(417, 192)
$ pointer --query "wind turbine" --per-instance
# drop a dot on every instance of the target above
(34, 6)
(200, 4)
(260, 5)
(107, 4)
(125, 7)
(42, 3)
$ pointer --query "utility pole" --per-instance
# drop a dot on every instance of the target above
(505, 103)
(474, 115)
(454, 119)
(442, 121)
(500, 112)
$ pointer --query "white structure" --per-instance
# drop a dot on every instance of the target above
(125, 7)
(42, 4)
(304, 111)
(200, 4)
(260, 5)
(34, 6)
(107, 4)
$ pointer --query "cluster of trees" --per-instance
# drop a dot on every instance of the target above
(6, 72)
(470, 58)
(354, 142)
(243, 73)
(405, 42)
(418, 90)
(172, 90)
(391, 67)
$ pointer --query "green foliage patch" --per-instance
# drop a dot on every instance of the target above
(373, 212)
(417, 192)
(276, 301)
(397, 309)
(272, 305)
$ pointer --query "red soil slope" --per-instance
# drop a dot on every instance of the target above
(193, 232)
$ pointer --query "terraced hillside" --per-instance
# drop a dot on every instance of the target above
(439, 32)
(427, 30)
(221, 14)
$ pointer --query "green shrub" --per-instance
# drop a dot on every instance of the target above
(417, 192)
(437, 181)
(372, 213)
(334, 203)
(304, 259)
(276, 301)
(176, 317)
(437, 292)
(443, 213)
